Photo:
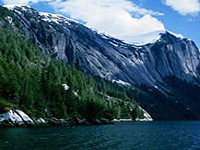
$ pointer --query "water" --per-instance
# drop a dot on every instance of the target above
(121, 136)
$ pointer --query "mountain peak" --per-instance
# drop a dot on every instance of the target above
(11, 7)
(49, 17)
(138, 40)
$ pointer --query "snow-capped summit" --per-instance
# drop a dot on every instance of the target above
(148, 38)
(54, 18)
(13, 6)
(57, 18)
(49, 17)
(176, 34)
(137, 40)
(100, 54)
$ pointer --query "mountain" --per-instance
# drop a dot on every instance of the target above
(43, 87)
(167, 69)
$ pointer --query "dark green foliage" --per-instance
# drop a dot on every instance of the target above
(5, 106)
(136, 113)
(29, 81)
(92, 109)
(6, 15)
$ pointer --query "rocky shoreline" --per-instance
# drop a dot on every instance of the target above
(17, 118)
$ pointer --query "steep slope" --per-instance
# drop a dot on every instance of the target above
(48, 88)
(152, 65)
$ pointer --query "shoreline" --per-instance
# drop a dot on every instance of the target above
(74, 121)
(17, 118)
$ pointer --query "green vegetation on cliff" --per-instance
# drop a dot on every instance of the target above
(33, 82)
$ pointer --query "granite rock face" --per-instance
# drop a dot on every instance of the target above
(107, 57)
(147, 116)
(112, 59)
(15, 118)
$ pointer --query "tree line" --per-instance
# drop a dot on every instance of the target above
(32, 82)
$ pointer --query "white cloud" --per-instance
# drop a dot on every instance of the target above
(23, 2)
(185, 7)
(122, 19)
(119, 18)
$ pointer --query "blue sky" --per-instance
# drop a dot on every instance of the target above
(187, 25)
(127, 19)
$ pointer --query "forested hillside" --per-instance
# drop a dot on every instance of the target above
(32, 82)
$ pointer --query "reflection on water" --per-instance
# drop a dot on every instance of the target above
(121, 136)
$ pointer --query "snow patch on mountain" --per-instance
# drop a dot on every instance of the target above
(12, 7)
(121, 82)
(53, 18)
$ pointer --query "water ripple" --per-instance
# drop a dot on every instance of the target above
(121, 136)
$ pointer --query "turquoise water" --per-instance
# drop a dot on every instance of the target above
(121, 136)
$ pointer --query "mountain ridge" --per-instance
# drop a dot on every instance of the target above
(56, 17)
(149, 65)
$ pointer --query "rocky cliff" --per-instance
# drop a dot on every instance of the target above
(153, 66)
(17, 118)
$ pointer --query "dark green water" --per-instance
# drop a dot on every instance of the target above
(121, 136)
